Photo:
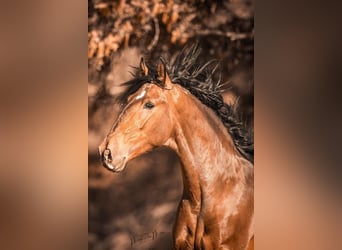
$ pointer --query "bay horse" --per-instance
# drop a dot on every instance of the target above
(180, 106)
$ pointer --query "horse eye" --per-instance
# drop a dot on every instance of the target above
(148, 105)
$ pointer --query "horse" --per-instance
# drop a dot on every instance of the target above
(180, 106)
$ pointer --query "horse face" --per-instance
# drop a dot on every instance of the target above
(145, 123)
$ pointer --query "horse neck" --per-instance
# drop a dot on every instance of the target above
(205, 148)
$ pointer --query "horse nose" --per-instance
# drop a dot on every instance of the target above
(107, 155)
(115, 164)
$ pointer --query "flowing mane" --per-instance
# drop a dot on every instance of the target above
(198, 79)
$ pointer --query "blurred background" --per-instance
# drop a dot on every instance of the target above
(45, 95)
(136, 209)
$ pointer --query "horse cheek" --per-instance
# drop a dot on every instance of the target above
(160, 132)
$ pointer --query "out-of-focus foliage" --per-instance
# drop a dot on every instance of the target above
(122, 23)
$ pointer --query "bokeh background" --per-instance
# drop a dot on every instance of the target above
(44, 125)
(136, 209)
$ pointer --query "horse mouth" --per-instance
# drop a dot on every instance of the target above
(115, 167)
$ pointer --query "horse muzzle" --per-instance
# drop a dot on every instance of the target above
(109, 163)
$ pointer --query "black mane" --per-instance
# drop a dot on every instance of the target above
(198, 79)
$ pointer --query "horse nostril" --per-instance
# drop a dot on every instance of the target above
(107, 155)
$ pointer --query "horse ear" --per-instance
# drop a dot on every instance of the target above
(143, 67)
(163, 76)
